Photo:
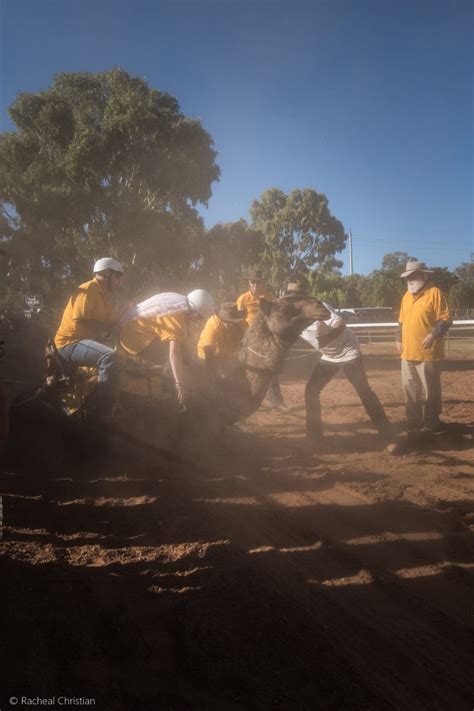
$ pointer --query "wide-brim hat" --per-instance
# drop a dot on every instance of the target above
(230, 313)
(413, 266)
(294, 291)
(254, 274)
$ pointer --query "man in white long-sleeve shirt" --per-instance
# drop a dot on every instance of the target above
(339, 348)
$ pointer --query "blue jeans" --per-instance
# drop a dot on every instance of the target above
(96, 355)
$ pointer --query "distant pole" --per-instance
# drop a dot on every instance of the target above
(351, 266)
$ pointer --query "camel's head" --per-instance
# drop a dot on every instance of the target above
(286, 318)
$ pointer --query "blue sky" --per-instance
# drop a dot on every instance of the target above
(368, 101)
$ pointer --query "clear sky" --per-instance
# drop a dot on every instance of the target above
(368, 101)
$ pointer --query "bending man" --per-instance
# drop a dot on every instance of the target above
(221, 339)
(165, 318)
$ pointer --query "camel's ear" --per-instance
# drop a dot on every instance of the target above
(266, 307)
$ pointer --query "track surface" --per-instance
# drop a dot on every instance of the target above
(250, 576)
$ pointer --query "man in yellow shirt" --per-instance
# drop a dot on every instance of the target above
(250, 302)
(165, 318)
(423, 321)
(221, 339)
(89, 314)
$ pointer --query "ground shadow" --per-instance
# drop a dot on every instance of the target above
(244, 577)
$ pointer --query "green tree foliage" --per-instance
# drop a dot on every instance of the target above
(384, 287)
(443, 279)
(300, 233)
(465, 271)
(461, 295)
(227, 250)
(395, 261)
(330, 287)
(103, 164)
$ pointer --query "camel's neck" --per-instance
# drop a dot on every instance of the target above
(263, 351)
(262, 356)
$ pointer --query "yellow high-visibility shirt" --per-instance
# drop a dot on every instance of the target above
(90, 302)
(137, 335)
(418, 315)
(250, 303)
(225, 338)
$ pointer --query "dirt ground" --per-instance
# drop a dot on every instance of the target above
(247, 575)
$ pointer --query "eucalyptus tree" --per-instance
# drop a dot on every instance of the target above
(228, 249)
(300, 233)
(103, 164)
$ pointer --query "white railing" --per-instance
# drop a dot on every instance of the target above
(372, 331)
(393, 324)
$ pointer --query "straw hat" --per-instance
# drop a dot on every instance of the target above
(414, 266)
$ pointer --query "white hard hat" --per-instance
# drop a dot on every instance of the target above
(202, 302)
(108, 263)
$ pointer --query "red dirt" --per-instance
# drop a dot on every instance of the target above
(250, 576)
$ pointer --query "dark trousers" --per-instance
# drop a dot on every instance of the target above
(355, 373)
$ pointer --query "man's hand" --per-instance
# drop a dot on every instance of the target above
(179, 393)
(180, 396)
(428, 341)
(399, 347)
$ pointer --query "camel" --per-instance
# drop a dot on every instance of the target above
(265, 345)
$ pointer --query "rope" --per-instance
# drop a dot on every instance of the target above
(261, 355)
(305, 355)
(257, 354)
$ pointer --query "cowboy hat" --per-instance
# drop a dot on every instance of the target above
(255, 274)
(414, 266)
(230, 313)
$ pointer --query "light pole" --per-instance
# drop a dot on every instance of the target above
(351, 266)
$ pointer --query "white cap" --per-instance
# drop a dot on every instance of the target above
(108, 263)
(202, 302)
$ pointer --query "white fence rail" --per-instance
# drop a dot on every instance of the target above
(377, 333)
(392, 324)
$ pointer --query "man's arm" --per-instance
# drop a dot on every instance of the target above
(102, 331)
(85, 306)
(210, 358)
(399, 338)
(438, 331)
(331, 335)
(176, 363)
(443, 319)
(97, 325)
(207, 343)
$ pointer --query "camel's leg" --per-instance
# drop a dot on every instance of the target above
(274, 391)
(320, 377)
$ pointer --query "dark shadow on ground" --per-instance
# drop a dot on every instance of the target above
(185, 584)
